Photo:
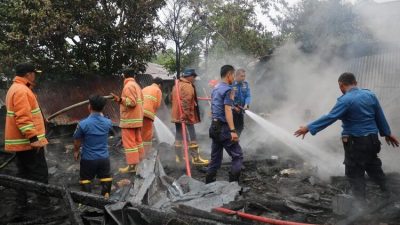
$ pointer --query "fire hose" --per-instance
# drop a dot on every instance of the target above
(258, 218)
(185, 144)
(72, 107)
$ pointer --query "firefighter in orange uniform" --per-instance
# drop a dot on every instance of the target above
(131, 120)
(25, 130)
(152, 100)
(190, 116)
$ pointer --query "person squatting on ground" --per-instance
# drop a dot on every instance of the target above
(131, 120)
(92, 134)
(222, 130)
(362, 118)
(242, 99)
(25, 130)
(190, 116)
(152, 100)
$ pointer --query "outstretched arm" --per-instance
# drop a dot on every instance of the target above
(336, 113)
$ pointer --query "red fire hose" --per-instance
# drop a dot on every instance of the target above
(258, 218)
(185, 144)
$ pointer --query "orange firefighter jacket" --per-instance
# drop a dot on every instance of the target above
(24, 119)
(131, 105)
(152, 100)
(190, 109)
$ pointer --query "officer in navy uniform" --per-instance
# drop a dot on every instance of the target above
(222, 130)
(362, 118)
(242, 99)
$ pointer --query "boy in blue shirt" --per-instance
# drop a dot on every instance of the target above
(92, 134)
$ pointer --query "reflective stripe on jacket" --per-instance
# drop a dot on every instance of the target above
(131, 106)
(189, 103)
(152, 100)
(24, 119)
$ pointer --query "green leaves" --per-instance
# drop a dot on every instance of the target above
(79, 37)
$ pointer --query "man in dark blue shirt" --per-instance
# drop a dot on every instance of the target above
(242, 99)
(222, 130)
(92, 133)
(362, 118)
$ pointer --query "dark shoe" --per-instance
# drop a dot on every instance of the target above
(202, 169)
(211, 177)
(234, 177)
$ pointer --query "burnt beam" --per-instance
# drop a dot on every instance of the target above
(89, 199)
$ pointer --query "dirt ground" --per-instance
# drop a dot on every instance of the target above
(282, 188)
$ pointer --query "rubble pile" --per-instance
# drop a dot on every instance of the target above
(277, 188)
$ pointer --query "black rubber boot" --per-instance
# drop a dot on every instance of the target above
(86, 187)
(106, 188)
(211, 177)
(234, 177)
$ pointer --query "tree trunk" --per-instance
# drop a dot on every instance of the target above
(178, 60)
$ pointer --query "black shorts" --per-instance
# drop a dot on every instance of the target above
(99, 168)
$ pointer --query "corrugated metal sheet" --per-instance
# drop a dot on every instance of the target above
(380, 73)
(56, 96)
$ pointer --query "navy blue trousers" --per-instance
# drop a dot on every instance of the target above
(224, 141)
(361, 156)
(238, 120)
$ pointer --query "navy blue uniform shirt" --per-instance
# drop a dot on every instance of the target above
(93, 132)
(360, 112)
(220, 96)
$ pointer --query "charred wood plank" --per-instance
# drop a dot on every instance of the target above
(43, 220)
(53, 191)
(155, 216)
(74, 216)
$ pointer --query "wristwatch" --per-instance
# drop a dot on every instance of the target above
(233, 131)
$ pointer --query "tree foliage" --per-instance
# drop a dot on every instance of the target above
(78, 36)
(167, 59)
(235, 28)
(181, 26)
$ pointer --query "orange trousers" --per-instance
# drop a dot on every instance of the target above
(133, 145)
(147, 133)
